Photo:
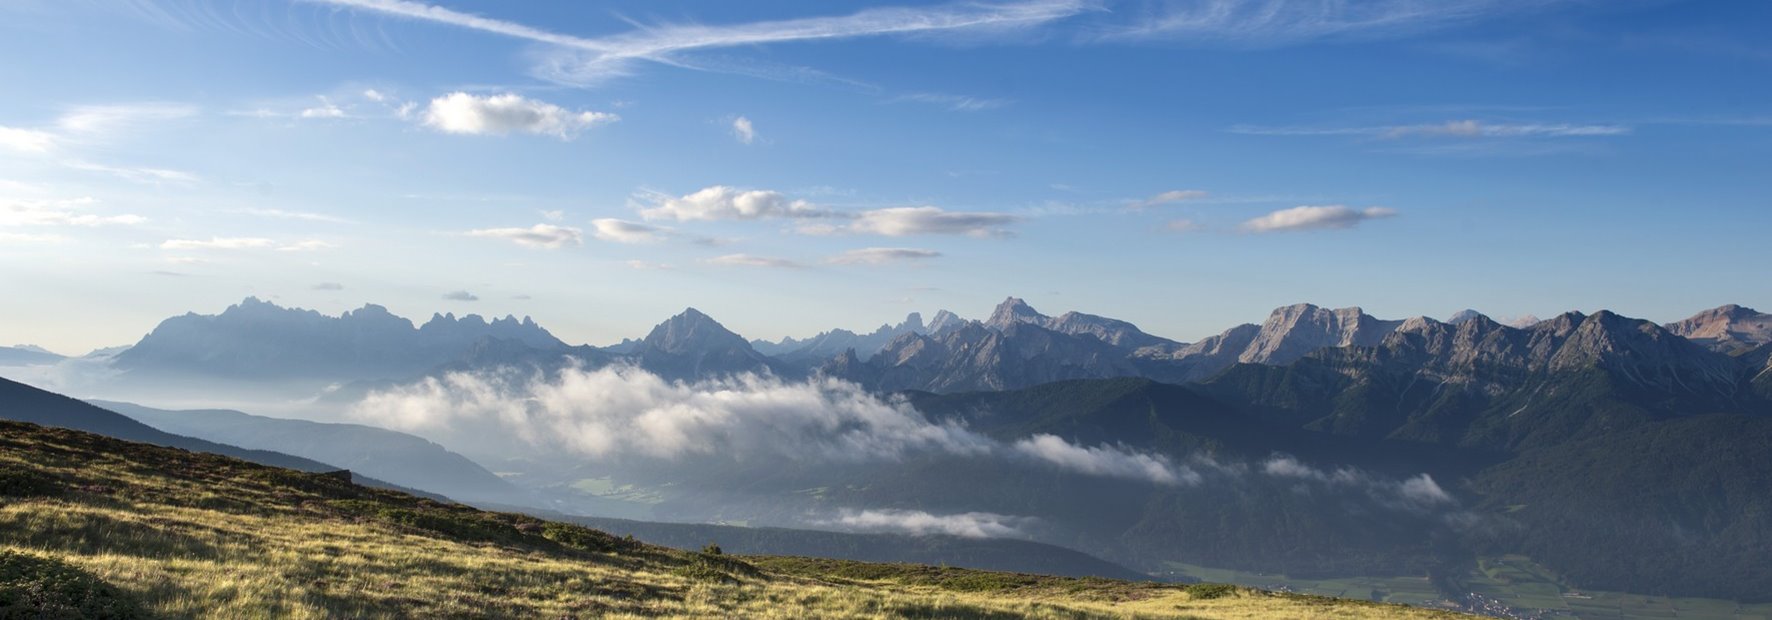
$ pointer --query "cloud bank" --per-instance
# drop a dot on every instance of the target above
(917, 522)
(546, 236)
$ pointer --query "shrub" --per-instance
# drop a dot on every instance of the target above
(712, 549)
(43, 588)
(17, 482)
(1209, 591)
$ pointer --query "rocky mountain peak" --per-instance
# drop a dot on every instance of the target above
(1464, 315)
(1013, 310)
(692, 330)
(1729, 329)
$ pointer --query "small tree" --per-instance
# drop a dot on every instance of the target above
(712, 549)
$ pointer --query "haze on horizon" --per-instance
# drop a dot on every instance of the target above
(1184, 165)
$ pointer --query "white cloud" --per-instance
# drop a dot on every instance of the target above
(917, 522)
(309, 245)
(463, 113)
(43, 238)
(591, 60)
(721, 202)
(1177, 195)
(1117, 462)
(59, 213)
(326, 109)
(957, 103)
(747, 260)
(374, 95)
(106, 119)
(622, 231)
(926, 220)
(152, 176)
(218, 243)
(743, 130)
(1315, 218)
(553, 215)
(647, 265)
(26, 140)
(460, 296)
(881, 256)
(537, 236)
(1418, 493)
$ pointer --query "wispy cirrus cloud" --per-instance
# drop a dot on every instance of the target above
(1466, 128)
(1323, 217)
(1283, 22)
(1172, 196)
(882, 256)
(587, 60)
(245, 243)
(280, 214)
(748, 260)
(957, 103)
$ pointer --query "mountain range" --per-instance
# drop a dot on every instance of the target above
(1327, 441)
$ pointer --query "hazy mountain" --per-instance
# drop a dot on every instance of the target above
(972, 356)
(1729, 329)
(23, 403)
(26, 355)
(943, 321)
(1111, 331)
(1464, 315)
(834, 342)
(261, 340)
(693, 345)
(388, 455)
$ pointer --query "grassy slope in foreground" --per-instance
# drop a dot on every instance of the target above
(187, 534)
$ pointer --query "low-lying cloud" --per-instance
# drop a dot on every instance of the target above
(1417, 494)
(1109, 461)
(917, 522)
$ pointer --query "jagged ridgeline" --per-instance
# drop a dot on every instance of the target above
(93, 527)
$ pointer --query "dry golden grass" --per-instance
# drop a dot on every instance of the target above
(204, 536)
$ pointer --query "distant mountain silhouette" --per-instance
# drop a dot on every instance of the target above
(23, 403)
(260, 340)
(389, 455)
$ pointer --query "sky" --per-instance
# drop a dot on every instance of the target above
(791, 167)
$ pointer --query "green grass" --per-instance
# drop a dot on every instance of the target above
(94, 527)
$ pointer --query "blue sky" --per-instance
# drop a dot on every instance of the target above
(793, 167)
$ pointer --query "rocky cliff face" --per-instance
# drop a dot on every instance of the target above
(1729, 329)
(1482, 383)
